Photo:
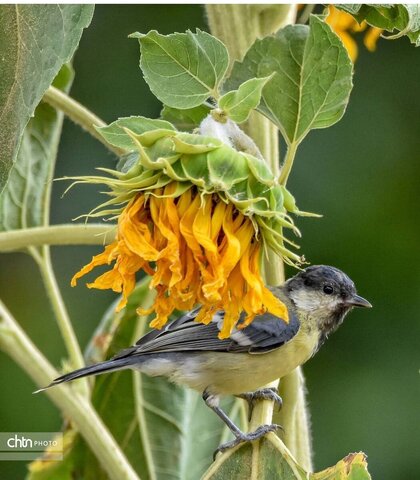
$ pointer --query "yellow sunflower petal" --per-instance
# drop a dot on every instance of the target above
(108, 280)
(271, 302)
(217, 219)
(197, 249)
(371, 38)
(170, 253)
(338, 19)
(103, 258)
(350, 44)
(135, 233)
(205, 315)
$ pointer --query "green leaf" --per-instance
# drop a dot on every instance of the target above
(414, 38)
(115, 331)
(187, 119)
(312, 81)
(182, 69)
(24, 200)
(117, 136)
(401, 19)
(35, 41)
(268, 458)
(239, 103)
(352, 467)
(156, 423)
(265, 459)
(352, 8)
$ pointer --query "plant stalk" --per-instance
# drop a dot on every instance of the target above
(67, 234)
(62, 317)
(288, 163)
(15, 342)
(308, 9)
(238, 26)
(79, 114)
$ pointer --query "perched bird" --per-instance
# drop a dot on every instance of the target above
(191, 354)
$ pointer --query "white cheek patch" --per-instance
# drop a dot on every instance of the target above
(310, 301)
(305, 300)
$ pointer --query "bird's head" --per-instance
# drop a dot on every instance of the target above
(325, 293)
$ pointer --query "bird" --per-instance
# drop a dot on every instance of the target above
(191, 354)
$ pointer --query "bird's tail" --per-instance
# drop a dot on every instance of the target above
(102, 367)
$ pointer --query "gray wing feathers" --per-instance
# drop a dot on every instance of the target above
(265, 333)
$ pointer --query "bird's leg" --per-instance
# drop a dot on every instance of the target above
(212, 401)
(263, 394)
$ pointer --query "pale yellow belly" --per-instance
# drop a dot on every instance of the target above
(235, 373)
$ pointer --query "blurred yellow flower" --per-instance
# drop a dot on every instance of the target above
(197, 248)
(343, 23)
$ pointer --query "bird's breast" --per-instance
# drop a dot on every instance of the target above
(235, 373)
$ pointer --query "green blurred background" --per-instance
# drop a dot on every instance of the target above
(362, 175)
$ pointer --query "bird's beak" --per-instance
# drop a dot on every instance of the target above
(358, 301)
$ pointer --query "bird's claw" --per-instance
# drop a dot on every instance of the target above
(246, 437)
(263, 394)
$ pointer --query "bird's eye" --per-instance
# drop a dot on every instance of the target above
(328, 289)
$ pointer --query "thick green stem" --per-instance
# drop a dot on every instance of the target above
(62, 317)
(79, 114)
(304, 16)
(71, 234)
(288, 163)
(238, 26)
(15, 342)
(294, 418)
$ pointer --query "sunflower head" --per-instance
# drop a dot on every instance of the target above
(197, 216)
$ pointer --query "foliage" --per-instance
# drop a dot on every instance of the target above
(404, 18)
(24, 198)
(157, 436)
(312, 80)
(300, 78)
(30, 61)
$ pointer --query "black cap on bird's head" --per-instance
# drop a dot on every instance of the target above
(326, 293)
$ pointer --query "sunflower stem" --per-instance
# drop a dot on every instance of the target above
(15, 342)
(63, 320)
(304, 16)
(227, 22)
(67, 234)
(79, 114)
(288, 163)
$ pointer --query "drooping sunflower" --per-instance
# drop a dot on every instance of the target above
(196, 215)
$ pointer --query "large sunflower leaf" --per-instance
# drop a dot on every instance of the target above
(35, 41)
(268, 458)
(265, 459)
(182, 69)
(24, 200)
(312, 81)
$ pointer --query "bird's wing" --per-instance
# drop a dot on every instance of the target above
(184, 334)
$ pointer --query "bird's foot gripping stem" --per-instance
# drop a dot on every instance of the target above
(264, 394)
(246, 437)
(240, 437)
